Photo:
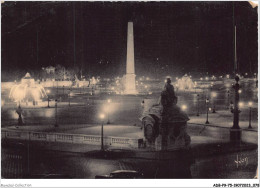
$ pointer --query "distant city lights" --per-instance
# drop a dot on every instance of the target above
(213, 94)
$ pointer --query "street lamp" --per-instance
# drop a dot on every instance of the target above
(56, 113)
(241, 104)
(48, 91)
(19, 112)
(207, 120)
(142, 103)
(235, 131)
(228, 99)
(102, 116)
(184, 107)
(108, 101)
(69, 97)
(250, 111)
(198, 104)
(213, 95)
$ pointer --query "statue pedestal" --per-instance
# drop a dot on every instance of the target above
(165, 130)
(235, 135)
(172, 137)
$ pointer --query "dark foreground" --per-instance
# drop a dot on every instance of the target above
(35, 161)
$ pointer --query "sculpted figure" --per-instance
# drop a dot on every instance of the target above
(165, 123)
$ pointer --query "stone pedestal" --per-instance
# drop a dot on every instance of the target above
(130, 84)
(161, 136)
(172, 137)
(235, 135)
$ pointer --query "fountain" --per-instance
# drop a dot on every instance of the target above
(27, 91)
(185, 83)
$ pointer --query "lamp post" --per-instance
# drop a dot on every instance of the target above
(256, 81)
(228, 99)
(102, 116)
(213, 95)
(69, 97)
(48, 91)
(142, 103)
(56, 113)
(19, 112)
(250, 112)
(207, 120)
(235, 131)
(108, 101)
(198, 104)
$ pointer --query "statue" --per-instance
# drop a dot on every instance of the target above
(165, 123)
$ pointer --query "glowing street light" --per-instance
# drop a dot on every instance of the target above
(102, 116)
(239, 91)
(250, 112)
(241, 104)
(207, 120)
(184, 107)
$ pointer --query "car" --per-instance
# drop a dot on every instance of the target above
(122, 174)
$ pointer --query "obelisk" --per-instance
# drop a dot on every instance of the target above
(130, 62)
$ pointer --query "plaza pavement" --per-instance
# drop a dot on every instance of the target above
(223, 119)
(201, 134)
(211, 149)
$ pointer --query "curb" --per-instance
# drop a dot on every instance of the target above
(211, 125)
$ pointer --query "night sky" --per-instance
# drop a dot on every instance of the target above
(169, 37)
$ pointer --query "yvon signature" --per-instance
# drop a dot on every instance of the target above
(241, 161)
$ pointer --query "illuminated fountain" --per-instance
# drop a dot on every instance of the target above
(27, 91)
(185, 83)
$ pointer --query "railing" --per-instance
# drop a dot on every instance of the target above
(120, 142)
